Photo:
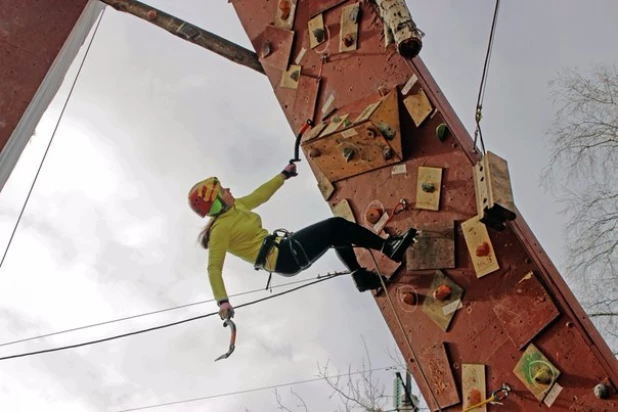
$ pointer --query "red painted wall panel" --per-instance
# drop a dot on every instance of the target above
(32, 32)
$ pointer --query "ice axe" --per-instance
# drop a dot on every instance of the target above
(299, 137)
(232, 346)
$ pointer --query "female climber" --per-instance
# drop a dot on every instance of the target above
(234, 228)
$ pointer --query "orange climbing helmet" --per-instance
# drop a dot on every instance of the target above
(206, 197)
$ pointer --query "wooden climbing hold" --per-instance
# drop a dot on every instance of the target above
(349, 28)
(483, 249)
(474, 397)
(601, 391)
(285, 13)
(348, 39)
(428, 178)
(313, 153)
(373, 215)
(409, 298)
(388, 153)
(317, 33)
(428, 187)
(543, 376)
(285, 8)
(442, 292)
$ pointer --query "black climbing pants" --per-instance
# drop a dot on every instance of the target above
(299, 250)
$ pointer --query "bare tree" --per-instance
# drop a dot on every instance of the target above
(285, 408)
(355, 390)
(584, 145)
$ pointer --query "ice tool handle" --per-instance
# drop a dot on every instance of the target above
(299, 137)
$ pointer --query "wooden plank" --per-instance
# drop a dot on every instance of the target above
(499, 185)
(480, 247)
(367, 112)
(552, 395)
(334, 124)
(473, 386)
(343, 210)
(317, 33)
(441, 312)
(436, 366)
(276, 47)
(285, 13)
(524, 309)
(386, 114)
(305, 101)
(314, 132)
(409, 84)
(290, 77)
(419, 107)
(351, 151)
(435, 247)
(326, 187)
(348, 39)
(399, 169)
(428, 188)
(536, 372)
(494, 195)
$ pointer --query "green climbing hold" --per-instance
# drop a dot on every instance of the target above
(442, 131)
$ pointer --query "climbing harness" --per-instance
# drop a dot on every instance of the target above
(494, 398)
(270, 241)
(232, 326)
(299, 136)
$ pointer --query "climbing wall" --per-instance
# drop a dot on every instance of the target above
(476, 304)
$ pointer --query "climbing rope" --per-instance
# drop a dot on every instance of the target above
(479, 103)
(23, 208)
(320, 278)
(403, 332)
(494, 398)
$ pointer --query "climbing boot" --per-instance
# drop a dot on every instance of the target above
(395, 246)
(367, 279)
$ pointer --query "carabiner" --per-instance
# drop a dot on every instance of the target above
(504, 390)
(232, 339)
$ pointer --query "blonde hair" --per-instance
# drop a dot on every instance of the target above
(204, 235)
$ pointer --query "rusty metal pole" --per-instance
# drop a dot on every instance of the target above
(189, 32)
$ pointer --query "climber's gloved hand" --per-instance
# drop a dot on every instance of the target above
(226, 311)
(289, 171)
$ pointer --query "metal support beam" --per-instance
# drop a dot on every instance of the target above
(189, 32)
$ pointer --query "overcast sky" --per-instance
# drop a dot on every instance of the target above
(107, 232)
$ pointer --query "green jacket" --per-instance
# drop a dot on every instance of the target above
(239, 231)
